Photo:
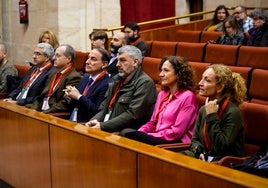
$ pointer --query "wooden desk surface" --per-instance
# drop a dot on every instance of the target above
(60, 153)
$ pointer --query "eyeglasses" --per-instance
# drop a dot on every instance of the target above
(37, 54)
(237, 12)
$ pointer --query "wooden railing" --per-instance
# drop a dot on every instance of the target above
(39, 150)
(176, 19)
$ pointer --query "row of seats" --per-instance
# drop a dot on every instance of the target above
(254, 78)
(243, 56)
(196, 36)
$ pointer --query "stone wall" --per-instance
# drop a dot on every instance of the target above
(72, 21)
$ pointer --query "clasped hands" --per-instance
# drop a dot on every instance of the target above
(71, 92)
(95, 124)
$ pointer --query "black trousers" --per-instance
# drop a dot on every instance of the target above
(143, 137)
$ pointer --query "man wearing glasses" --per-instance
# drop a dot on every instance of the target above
(34, 81)
(245, 22)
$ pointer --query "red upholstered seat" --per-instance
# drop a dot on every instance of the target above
(150, 66)
(188, 36)
(209, 35)
(221, 54)
(80, 60)
(22, 69)
(250, 56)
(149, 46)
(258, 91)
(163, 48)
(191, 51)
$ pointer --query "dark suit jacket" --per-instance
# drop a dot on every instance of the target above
(88, 105)
(112, 68)
(35, 89)
(56, 101)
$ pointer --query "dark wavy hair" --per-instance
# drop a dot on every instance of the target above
(215, 17)
(184, 71)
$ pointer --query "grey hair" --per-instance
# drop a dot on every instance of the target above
(133, 52)
(47, 49)
(259, 13)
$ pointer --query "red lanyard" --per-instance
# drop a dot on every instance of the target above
(162, 106)
(56, 79)
(117, 89)
(89, 84)
(35, 74)
(206, 138)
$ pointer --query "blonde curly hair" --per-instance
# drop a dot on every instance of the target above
(234, 83)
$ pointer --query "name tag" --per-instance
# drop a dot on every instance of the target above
(45, 105)
(107, 116)
(210, 158)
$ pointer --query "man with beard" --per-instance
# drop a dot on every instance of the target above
(118, 40)
(132, 30)
(130, 98)
(6, 68)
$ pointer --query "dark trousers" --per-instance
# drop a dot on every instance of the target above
(143, 137)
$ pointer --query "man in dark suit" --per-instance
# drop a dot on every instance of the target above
(34, 81)
(52, 97)
(87, 97)
(118, 40)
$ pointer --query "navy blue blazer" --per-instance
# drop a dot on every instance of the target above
(88, 105)
(35, 89)
(112, 68)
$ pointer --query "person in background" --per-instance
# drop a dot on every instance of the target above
(219, 16)
(87, 97)
(130, 97)
(219, 125)
(52, 97)
(132, 31)
(6, 69)
(49, 37)
(258, 35)
(245, 22)
(176, 107)
(231, 34)
(99, 39)
(119, 39)
(35, 79)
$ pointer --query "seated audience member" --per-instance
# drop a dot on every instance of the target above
(132, 31)
(119, 39)
(6, 69)
(219, 125)
(99, 39)
(219, 16)
(176, 106)
(89, 94)
(130, 97)
(35, 79)
(258, 35)
(245, 22)
(52, 97)
(231, 34)
(49, 37)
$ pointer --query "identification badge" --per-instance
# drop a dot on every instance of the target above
(210, 158)
(107, 116)
(24, 93)
(45, 105)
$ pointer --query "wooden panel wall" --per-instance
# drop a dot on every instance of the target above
(87, 161)
(169, 33)
(24, 150)
(39, 150)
